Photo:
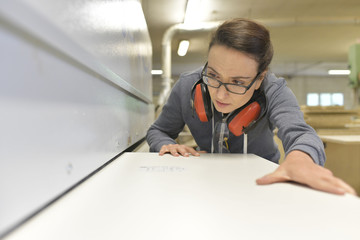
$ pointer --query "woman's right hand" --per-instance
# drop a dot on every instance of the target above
(178, 150)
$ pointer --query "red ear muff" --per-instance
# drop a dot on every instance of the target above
(244, 118)
(202, 103)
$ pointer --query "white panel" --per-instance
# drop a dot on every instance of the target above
(71, 98)
(146, 196)
(113, 31)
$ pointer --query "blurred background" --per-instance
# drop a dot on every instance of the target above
(309, 38)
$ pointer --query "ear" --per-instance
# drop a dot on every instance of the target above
(260, 80)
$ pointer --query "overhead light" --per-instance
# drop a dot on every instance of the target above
(183, 47)
(192, 11)
(339, 72)
(113, 15)
(156, 72)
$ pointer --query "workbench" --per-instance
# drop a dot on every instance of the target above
(343, 157)
(147, 196)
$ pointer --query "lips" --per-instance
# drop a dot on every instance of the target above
(222, 105)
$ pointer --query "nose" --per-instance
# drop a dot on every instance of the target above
(221, 92)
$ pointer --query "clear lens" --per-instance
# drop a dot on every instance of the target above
(236, 89)
(212, 82)
(230, 87)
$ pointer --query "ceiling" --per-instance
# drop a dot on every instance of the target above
(309, 36)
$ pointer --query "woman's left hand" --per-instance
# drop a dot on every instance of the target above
(299, 167)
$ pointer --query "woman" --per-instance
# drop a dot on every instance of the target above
(236, 103)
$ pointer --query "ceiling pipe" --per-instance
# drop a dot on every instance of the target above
(209, 26)
(166, 52)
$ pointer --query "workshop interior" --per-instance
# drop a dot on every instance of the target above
(83, 80)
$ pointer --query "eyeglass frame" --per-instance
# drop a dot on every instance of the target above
(203, 75)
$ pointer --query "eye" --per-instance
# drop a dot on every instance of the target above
(213, 75)
(238, 82)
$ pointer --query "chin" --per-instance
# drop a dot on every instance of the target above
(224, 110)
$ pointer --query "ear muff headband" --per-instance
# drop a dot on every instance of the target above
(244, 118)
(202, 102)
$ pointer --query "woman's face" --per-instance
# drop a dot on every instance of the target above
(231, 66)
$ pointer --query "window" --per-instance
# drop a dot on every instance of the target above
(312, 99)
(337, 99)
(325, 99)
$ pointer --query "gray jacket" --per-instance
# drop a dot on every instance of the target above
(282, 112)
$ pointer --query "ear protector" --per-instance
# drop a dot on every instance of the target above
(201, 101)
(240, 121)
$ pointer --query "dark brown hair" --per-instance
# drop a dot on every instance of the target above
(245, 36)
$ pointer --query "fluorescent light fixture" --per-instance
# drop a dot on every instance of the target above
(108, 16)
(192, 11)
(339, 72)
(183, 47)
(156, 72)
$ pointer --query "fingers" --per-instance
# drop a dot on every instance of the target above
(316, 177)
(347, 187)
(323, 179)
(192, 151)
(269, 179)
(174, 151)
(177, 150)
(333, 185)
(163, 150)
(328, 185)
(279, 175)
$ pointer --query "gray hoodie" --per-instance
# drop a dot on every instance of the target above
(282, 112)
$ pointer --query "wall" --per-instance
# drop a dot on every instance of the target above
(75, 91)
(302, 85)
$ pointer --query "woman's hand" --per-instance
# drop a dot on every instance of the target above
(177, 150)
(299, 167)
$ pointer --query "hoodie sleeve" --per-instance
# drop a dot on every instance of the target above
(169, 123)
(284, 113)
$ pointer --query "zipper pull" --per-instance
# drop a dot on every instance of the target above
(226, 143)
